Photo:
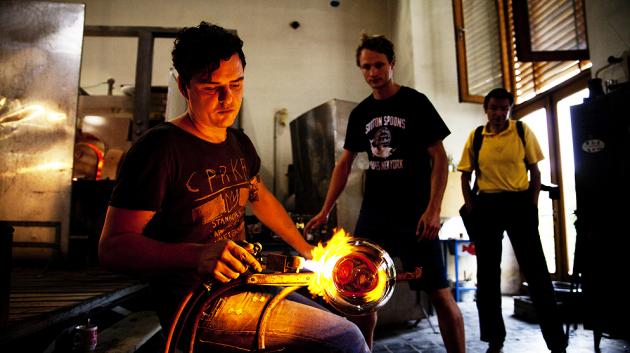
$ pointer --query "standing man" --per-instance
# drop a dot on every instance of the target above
(402, 134)
(178, 209)
(507, 201)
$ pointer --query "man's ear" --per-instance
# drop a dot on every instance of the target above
(182, 89)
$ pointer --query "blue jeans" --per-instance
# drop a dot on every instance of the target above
(296, 324)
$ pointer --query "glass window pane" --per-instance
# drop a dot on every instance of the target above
(565, 138)
(537, 122)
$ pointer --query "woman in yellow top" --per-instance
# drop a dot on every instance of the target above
(505, 199)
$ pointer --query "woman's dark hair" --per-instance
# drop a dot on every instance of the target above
(498, 93)
(202, 48)
(379, 44)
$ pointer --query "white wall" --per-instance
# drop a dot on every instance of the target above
(300, 69)
(434, 69)
(403, 37)
(608, 34)
(294, 69)
(286, 68)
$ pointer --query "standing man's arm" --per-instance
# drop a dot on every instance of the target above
(272, 214)
(337, 184)
(466, 166)
(534, 182)
(467, 190)
(429, 223)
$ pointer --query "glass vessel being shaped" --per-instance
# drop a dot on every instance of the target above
(363, 279)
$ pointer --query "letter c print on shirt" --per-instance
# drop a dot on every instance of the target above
(217, 178)
(221, 192)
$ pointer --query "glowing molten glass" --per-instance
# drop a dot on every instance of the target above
(353, 275)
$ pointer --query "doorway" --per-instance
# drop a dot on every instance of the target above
(548, 115)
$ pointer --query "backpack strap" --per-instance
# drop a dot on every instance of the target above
(477, 140)
(521, 133)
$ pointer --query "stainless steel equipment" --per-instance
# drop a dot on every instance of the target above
(317, 138)
(40, 56)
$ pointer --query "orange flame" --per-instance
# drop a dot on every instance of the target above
(377, 292)
(324, 259)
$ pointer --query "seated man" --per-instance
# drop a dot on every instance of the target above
(179, 205)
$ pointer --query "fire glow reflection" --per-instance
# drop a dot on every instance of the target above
(352, 274)
(14, 111)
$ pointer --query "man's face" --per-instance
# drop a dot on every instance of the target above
(376, 68)
(214, 102)
(498, 112)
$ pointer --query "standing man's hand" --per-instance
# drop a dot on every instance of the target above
(429, 223)
(428, 226)
(225, 261)
(316, 221)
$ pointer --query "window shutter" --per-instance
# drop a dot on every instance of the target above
(550, 30)
(550, 19)
(483, 52)
(479, 50)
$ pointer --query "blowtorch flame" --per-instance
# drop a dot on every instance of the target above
(377, 292)
(324, 259)
(341, 270)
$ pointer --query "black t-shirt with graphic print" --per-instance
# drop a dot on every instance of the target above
(395, 133)
(199, 191)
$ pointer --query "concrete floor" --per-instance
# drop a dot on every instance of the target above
(522, 336)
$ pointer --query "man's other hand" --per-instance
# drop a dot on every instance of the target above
(225, 260)
(316, 221)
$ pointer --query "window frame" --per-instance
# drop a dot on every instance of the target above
(548, 100)
(460, 45)
(508, 19)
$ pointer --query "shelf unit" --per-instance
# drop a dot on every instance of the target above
(456, 244)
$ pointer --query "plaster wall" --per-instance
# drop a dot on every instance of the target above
(425, 36)
(608, 35)
(295, 69)
(298, 69)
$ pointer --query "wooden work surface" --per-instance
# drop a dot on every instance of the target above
(42, 298)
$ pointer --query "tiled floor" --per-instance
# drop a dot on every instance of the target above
(522, 336)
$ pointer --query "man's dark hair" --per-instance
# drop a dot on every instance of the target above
(498, 93)
(379, 44)
(202, 48)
